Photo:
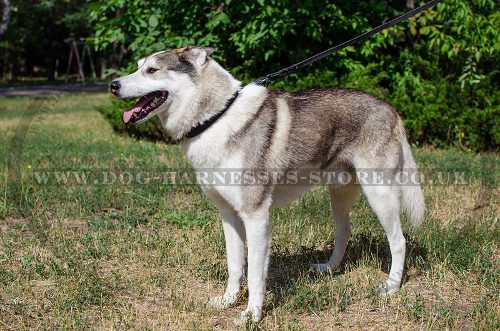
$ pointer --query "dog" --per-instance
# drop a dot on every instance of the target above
(258, 128)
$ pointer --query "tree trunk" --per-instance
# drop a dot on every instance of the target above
(49, 68)
(4, 23)
(14, 70)
(102, 70)
(410, 40)
(56, 68)
(29, 66)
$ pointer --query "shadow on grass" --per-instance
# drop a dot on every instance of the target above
(286, 269)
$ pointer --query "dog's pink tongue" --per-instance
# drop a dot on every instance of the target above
(135, 109)
(128, 114)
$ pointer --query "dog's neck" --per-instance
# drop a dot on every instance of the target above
(200, 103)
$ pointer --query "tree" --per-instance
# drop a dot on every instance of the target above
(439, 69)
(39, 34)
(4, 23)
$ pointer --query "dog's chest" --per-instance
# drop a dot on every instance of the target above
(214, 162)
(210, 153)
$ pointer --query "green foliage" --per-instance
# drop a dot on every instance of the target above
(439, 112)
(38, 36)
(439, 69)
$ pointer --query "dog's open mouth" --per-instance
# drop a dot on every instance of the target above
(145, 106)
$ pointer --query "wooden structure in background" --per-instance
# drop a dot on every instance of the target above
(74, 52)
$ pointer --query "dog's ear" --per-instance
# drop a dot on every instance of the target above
(198, 55)
(208, 50)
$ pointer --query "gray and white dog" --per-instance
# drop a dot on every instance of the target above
(315, 130)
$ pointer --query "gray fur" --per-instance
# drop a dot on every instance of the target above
(269, 129)
(328, 127)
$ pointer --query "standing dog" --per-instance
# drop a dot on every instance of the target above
(315, 130)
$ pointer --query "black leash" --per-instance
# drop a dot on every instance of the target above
(198, 129)
(322, 55)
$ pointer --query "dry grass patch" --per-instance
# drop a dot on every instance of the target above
(452, 203)
(149, 256)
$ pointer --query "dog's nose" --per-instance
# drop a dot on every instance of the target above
(114, 87)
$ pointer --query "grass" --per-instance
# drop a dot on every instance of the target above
(120, 256)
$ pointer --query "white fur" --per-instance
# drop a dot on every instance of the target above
(280, 141)
(209, 150)
(234, 233)
(140, 83)
(142, 61)
(178, 115)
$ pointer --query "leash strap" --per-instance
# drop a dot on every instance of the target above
(319, 56)
(201, 127)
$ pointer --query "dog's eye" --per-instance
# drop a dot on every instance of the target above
(151, 70)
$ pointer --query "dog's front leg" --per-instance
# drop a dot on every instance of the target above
(234, 233)
(257, 226)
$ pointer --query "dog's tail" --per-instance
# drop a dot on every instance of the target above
(412, 197)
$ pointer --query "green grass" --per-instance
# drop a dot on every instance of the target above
(121, 256)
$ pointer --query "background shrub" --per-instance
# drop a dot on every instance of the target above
(439, 70)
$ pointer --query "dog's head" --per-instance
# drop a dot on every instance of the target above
(160, 79)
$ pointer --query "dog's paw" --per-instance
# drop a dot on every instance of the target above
(223, 302)
(387, 288)
(253, 314)
(322, 267)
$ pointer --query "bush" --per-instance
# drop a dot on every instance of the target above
(439, 69)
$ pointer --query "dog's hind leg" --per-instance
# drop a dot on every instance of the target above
(341, 199)
(234, 233)
(385, 202)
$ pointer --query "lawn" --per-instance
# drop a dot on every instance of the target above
(113, 255)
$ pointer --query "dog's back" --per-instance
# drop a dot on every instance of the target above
(320, 128)
(325, 129)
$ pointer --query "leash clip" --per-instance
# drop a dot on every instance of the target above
(263, 81)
